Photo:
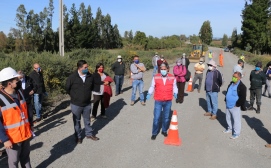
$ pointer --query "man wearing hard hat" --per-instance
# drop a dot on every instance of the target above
(15, 130)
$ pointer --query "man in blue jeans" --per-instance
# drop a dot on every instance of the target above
(155, 58)
(39, 89)
(164, 87)
(213, 83)
(119, 69)
(137, 68)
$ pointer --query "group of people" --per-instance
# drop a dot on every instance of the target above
(18, 90)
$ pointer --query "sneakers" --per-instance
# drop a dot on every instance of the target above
(213, 117)
(234, 136)
(132, 103)
(143, 103)
(226, 131)
(92, 119)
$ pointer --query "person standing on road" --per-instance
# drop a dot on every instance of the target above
(79, 87)
(164, 87)
(213, 82)
(267, 71)
(242, 57)
(137, 69)
(39, 89)
(257, 79)
(221, 60)
(98, 84)
(27, 88)
(179, 71)
(235, 98)
(185, 61)
(239, 67)
(210, 55)
(119, 70)
(199, 68)
(155, 58)
(160, 62)
(15, 129)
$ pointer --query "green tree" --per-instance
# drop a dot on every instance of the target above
(206, 33)
(194, 39)
(225, 40)
(140, 39)
(234, 38)
(3, 41)
(255, 17)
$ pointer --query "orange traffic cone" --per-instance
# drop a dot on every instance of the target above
(189, 88)
(173, 134)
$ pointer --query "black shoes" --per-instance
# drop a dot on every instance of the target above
(78, 140)
(153, 137)
(164, 133)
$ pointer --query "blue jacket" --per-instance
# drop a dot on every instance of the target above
(217, 81)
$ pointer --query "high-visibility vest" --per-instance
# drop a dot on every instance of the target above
(163, 92)
(15, 118)
(210, 55)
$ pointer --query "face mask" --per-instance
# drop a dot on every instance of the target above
(200, 62)
(84, 71)
(136, 61)
(100, 70)
(257, 68)
(38, 69)
(178, 64)
(234, 79)
(164, 72)
(210, 68)
(119, 60)
(269, 67)
(21, 79)
(162, 59)
(18, 85)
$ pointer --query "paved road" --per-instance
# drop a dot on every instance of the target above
(125, 135)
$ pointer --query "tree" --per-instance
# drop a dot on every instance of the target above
(225, 40)
(140, 39)
(234, 38)
(3, 41)
(255, 17)
(194, 39)
(206, 34)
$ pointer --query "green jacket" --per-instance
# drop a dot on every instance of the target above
(257, 79)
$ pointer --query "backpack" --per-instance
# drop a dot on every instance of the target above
(187, 75)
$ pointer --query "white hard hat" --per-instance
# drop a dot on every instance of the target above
(119, 56)
(8, 73)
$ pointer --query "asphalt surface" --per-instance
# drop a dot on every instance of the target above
(125, 135)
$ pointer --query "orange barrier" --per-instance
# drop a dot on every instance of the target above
(173, 134)
(189, 88)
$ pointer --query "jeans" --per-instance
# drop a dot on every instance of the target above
(256, 93)
(212, 102)
(267, 88)
(235, 113)
(77, 111)
(197, 77)
(119, 82)
(96, 100)
(137, 84)
(37, 104)
(155, 68)
(158, 107)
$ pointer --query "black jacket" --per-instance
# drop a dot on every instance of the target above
(79, 91)
(257, 79)
(39, 87)
(241, 92)
(29, 86)
(97, 81)
(118, 69)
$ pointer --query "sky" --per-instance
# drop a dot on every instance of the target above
(153, 17)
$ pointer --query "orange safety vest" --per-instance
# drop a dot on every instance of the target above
(163, 92)
(15, 118)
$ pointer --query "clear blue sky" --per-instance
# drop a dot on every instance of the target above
(154, 17)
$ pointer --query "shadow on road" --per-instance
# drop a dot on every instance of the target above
(112, 111)
(221, 118)
(257, 125)
(203, 104)
(126, 89)
(36, 146)
(61, 148)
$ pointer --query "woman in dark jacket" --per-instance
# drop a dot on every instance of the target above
(98, 78)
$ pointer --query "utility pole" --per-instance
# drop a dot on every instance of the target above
(61, 29)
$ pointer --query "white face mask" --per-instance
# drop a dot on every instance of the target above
(119, 60)
(162, 59)
(210, 68)
(269, 67)
(200, 62)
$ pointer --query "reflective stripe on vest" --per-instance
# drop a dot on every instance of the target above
(16, 124)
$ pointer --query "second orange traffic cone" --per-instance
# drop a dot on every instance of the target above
(173, 133)
(189, 88)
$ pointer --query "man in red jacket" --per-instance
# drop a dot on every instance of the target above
(164, 88)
